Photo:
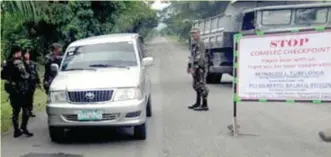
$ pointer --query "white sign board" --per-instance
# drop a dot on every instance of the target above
(285, 66)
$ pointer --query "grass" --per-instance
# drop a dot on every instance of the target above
(6, 111)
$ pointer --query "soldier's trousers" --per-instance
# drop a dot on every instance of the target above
(18, 103)
(199, 82)
(46, 88)
(29, 99)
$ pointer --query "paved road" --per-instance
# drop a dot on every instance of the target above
(269, 129)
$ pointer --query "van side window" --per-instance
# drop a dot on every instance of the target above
(248, 21)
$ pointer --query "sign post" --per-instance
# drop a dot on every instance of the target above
(289, 67)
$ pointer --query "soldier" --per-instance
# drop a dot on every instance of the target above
(34, 79)
(53, 57)
(17, 87)
(198, 67)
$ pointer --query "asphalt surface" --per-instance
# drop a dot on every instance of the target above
(267, 129)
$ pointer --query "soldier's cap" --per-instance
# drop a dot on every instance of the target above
(56, 45)
(195, 30)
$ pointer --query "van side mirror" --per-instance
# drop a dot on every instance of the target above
(147, 61)
(54, 68)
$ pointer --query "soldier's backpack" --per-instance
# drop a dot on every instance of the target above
(5, 69)
(5, 75)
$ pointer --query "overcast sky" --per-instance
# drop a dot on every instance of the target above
(157, 5)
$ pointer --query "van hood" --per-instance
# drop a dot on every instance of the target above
(100, 78)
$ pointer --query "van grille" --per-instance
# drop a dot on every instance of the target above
(105, 117)
(90, 96)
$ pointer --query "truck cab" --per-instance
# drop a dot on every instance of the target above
(249, 17)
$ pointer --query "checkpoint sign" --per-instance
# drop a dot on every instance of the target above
(284, 66)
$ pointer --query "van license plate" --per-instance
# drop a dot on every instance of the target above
(89, 115)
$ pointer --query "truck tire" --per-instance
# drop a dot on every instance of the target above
(213, 78)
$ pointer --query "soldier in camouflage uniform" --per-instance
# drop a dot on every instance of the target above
(198, 67)
(17, 86)
(34, 82)
(53, 57)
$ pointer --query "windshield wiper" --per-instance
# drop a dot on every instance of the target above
(77, 69)
(107, 66)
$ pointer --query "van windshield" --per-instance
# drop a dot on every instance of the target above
(311, 16)
(276, 17)
(117, 54)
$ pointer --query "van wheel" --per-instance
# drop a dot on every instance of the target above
(213, 78)
(57, 134)
(149, 107)
(140, 132)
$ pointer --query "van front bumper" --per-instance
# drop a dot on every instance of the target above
(123, 113)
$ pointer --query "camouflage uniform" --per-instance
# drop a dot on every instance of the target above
(49, 76)
(33, 82)
(199, 64)
(17, 88)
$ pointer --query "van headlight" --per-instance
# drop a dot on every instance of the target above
(57, 96)
(122, 94)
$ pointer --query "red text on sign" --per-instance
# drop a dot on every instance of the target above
(288, 43)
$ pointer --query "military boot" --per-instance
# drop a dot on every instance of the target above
(17, 131)
(24, 125)
(204, 106)
(197, 102)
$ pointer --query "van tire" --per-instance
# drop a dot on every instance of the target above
(57, 134)
(149, 107)
(140, 131)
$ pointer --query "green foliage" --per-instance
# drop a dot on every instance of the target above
(167, 31)
(179, 15)
(137, 18)
(38, 24)
(151, 34)
(23, 8)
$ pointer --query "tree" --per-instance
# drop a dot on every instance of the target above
(179, 15)
(23, 8)
(37, 24)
